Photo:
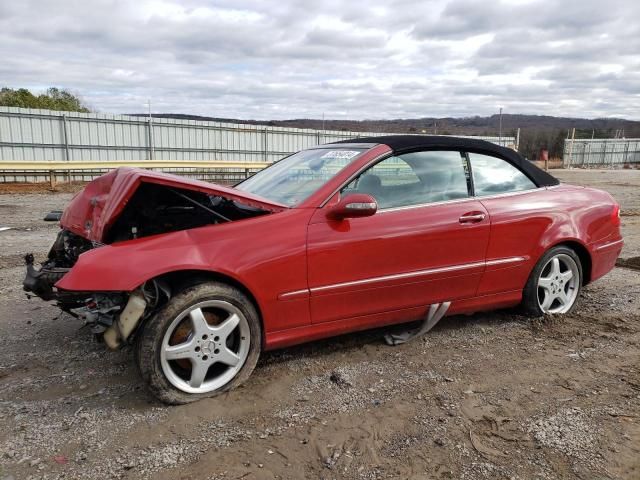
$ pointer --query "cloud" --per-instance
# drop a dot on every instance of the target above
(294, 58)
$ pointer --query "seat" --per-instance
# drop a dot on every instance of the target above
(372, 185)
(438, 183)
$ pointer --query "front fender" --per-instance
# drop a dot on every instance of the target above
(126, 265)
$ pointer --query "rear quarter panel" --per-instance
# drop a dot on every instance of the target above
(529, 223)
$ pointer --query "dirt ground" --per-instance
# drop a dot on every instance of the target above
(488, 396)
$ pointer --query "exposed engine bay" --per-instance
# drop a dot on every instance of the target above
(152, 209)
(155, 209)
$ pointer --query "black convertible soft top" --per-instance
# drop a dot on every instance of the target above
(411, 143)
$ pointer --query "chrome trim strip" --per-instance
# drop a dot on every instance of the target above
(396, 276)
(418, 273)
(460, 200)
(421, 205)
(338, 146)
(609, 245)
(509, 194)
(294, 293)
(502, 261)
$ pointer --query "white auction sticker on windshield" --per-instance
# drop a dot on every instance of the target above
(341, 154)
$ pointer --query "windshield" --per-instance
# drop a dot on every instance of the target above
(293, 179)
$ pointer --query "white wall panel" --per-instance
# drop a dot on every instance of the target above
(39, 135)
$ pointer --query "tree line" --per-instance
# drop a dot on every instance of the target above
(53, 99)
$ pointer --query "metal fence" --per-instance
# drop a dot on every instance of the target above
(604, 153)
(28, 135)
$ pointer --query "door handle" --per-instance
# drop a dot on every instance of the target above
(472, 217)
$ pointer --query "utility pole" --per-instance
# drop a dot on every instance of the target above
(573, 139)
(151, 152)
(500, 128)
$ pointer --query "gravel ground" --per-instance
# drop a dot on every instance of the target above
(492, 395)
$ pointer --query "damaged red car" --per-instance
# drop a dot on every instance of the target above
(201, 278)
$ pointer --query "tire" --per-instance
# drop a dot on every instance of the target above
(210, 327)
(549, 279)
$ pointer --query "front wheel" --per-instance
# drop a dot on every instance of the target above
(554, 284)
(205, 341)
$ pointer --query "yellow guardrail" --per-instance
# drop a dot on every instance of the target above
(52, 169)
(67, 166)
(62, 166)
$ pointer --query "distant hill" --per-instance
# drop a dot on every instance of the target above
(536, 131)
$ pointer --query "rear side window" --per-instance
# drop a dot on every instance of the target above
(493, 175)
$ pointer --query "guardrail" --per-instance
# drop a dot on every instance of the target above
(228, 172)
(53, 171)
(110, 164)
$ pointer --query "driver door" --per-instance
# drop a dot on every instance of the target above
(426, 243)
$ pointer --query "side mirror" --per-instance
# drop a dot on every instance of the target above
(354, 205)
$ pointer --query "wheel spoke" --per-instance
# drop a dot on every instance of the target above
(563, 297)
(227, 327)
(180, 351)
(547, 302)
(545, 283)
(200, 325)
(555, 266)
(198, 372)
(566, 276)
(227, 357)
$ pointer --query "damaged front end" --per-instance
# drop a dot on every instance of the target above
(112, 316)
(126, 205)
(61, 258)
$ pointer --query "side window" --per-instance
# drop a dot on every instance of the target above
(414, 179)
(394, 172)
(493, 175)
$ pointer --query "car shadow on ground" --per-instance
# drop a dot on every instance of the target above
(357, 340)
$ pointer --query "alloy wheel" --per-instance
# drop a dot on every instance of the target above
(558, 284)
(205, 346)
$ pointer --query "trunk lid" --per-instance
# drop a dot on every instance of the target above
(93, 210)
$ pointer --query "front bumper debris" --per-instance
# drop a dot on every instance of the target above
(40, 282)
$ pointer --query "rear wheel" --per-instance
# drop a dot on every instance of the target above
(554, 284)
(205, 341)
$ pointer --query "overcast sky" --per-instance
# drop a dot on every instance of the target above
(368, 59)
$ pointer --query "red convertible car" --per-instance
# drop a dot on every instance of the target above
(201, 278)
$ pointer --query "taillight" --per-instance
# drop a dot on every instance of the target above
(615, 215)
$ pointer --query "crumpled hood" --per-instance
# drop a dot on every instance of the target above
(93, 210)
